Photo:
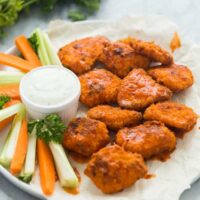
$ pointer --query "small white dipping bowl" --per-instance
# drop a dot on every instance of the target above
(66, 108)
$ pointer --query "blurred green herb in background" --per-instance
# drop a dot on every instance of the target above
(76, 15)
(11, 9)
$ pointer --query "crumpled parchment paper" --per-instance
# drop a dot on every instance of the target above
(175, 175)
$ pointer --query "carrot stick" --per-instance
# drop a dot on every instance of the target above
(11, 90)
(16, 62)
(11, 103)
(47, 168)
(5, 122)
(27, 51)
(20, 151)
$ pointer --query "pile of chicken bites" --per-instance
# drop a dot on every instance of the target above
(127, 86)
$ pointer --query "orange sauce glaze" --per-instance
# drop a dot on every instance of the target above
(164, 156)
(74, 191)
(175, 42)
(79, 158)
(149, 176)
(179, 133)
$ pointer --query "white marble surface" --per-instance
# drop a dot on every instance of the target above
(185, 13)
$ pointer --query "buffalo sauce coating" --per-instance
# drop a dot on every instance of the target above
(85, 136)
(175, 77)
(80, 55)
(74, 191)
(149, 176)
(113, 169)
(175, 42)
(79, 158)
(164, 156)
(120, 59)
(150, 50)
(174, 115)
(150, 139)
(114, 117)
(138, 90)
(99, 87)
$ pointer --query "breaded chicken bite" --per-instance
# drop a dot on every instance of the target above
(175, 77)
(112, 169)
(138, 90)
(85, 136)
(114, 117)
(172, 114)
(149, 139)
(120, 59)
(99, 87)
(150, 50)
(80, 55)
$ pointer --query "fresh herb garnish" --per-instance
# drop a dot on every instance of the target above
(25, 179)
(34, 42)
(3, 34)
(3, 100)
(89, 5)
(11, 9)
(47, 5)
(76, 15)
(50, 128)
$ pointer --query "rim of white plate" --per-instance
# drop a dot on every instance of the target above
(12, 179)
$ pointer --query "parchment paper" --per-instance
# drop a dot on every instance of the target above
(175, 175)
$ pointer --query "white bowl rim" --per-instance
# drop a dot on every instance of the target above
(50, 108)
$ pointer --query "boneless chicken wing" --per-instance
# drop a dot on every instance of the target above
(112, 169)
(150, 50)
(80, 55)
(115, 117)
(85, 136)
(175, 77)
(138, 90)
(172, 114)
(98, 87)
(149, 139)
(120, 59)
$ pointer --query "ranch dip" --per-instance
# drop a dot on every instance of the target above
(50, 86)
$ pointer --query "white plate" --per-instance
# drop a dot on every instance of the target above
(173, 176)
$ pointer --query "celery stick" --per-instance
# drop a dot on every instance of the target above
(29, 165)
(8, 151)
(51, 129)
(53, 57)
(42, 53)
(67, 176)
(10, 77)
(45, 49)
(12, 110)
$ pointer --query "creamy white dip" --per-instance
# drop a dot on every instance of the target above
(50, 86)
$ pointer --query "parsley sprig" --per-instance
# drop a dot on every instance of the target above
(11, 9)
(34, 42)
(50, 128)
(3, 100)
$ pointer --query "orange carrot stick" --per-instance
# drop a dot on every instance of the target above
(11, 90)
(20, 151)
(47, 168)
(11, 103)
(16, 62)
(27, 51)
(5, 122)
